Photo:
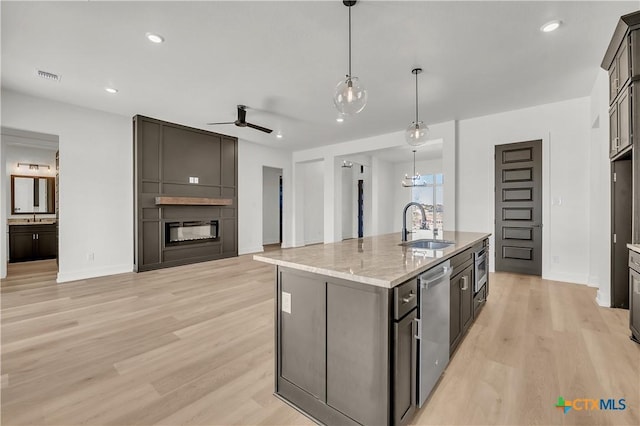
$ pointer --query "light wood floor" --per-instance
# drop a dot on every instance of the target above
(193, 345)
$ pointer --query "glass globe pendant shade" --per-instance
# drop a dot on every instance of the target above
(350, 97)
(417, 133)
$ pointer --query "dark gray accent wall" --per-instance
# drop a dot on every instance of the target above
(166, 155)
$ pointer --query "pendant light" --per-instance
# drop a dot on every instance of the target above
(417, 133)
(415, 180)
(350, 96)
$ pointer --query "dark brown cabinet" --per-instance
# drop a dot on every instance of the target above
(405, 351)
(461, 305)
(177, 161)
(619, 72)
(620, 123)
(634, 295)
(621, 61)
(32, 242)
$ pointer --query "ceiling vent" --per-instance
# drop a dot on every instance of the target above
(48, 75)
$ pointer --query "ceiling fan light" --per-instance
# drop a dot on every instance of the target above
(350, 96)
(417, 133)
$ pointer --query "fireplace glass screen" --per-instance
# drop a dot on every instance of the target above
(190, 232)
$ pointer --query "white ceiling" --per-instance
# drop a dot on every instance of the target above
(432, 150)
(283, 60)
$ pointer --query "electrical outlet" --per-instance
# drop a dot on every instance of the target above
(556, 259)
(90, 256)
(286, 302)
(193, 179)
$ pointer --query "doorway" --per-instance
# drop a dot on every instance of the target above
(272, 205)
(621, 222)
(30, 163)
(518, 207)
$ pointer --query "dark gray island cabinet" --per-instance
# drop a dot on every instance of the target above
(346, 325)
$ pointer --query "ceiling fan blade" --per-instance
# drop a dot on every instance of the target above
(262, 129)
(226, 122)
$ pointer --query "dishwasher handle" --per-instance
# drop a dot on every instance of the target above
(446, 272)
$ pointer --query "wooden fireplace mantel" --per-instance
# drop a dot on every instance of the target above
(193, 201)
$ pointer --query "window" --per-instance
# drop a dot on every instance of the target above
(431, 196)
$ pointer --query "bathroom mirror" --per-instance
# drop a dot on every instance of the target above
(32, 194)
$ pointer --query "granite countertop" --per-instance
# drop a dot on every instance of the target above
(634, 247)
(378, 260)
(31, 222)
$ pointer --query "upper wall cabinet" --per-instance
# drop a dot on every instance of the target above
(620, 123)
(622, 61)
(619, 72)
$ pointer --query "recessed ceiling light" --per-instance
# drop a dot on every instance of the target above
(155, 38)
(340, 119)
(550, 26)
(111, 90)
(279, 135)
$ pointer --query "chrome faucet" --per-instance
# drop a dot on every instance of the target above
(423, 225)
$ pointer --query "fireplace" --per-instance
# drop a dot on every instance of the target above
(189, 232)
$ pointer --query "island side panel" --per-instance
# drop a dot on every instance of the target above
(358, 356)
(371, 332)
(303, 332)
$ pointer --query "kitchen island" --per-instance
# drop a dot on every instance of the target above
(348, 316)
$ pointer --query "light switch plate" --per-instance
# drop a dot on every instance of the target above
(286, 302)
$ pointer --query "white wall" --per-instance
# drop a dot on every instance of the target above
(564, 130)
(600, 193)
(349, 208)
(4, 243)
(96, 185)
(381, 190)
(312, 180)
(271, 205)
(251, 160)
(384, 186)
(96, 191)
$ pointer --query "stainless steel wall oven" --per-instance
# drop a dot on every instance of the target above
(481, 268)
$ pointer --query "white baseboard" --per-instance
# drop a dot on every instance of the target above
(84, 274)
(567, 278)
(306, 243)
(249, 250)
(594, 281)
(605, 302)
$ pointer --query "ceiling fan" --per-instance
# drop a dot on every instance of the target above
(242, 122)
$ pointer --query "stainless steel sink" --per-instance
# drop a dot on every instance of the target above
(428, 244)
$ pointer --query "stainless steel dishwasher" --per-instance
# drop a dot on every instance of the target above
(432, 330)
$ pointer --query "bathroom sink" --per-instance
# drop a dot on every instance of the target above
(428, 244)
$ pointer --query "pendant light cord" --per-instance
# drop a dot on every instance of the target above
(414, 165)
(349, 76)
(416, 103)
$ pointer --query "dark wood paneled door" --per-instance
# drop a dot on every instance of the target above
(518, 207)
